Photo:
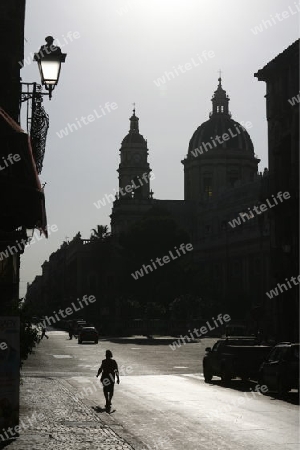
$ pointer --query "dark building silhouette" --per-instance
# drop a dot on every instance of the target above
(79, 267)
(282, 88)
(21, 195)
(221, 183)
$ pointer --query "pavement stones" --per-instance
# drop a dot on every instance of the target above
(55, 420)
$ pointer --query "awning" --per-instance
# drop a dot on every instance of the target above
(22, 198)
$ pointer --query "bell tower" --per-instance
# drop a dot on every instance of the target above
(134, 170)
(134, 197)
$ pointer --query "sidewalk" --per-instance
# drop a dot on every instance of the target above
(52, 419)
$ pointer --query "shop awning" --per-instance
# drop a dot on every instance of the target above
(22, 198)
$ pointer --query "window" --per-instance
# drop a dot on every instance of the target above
(257, 265)
(216, 346)
(276, 353)
(224, 225)
(207, 186)
(207, 229)
(217, 271)
(232, 177)
(236, 269)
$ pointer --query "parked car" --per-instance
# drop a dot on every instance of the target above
(280, 370)
(88, 334)
(78, 325)
(234, 357)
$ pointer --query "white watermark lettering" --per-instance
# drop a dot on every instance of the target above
(259, 209)
(23, 243)
(197, 333)
(276, 18)
(274, 292)
(129, 189)
(183, 68)
(183, 248)
(219, 140)
(86, 120)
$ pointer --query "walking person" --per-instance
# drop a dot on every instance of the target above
(44, 332)
(71, 330)
(109, 370)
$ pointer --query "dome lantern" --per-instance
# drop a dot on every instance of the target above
(134, 123)
(134, 136)
(220, 101)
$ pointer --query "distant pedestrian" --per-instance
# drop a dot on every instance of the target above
(109, 370)
(44, 332)
(71, 331)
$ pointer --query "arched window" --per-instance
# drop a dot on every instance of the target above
(232, 177)
(207, 185)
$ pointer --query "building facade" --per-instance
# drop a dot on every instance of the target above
(281, 76)
(21, 195)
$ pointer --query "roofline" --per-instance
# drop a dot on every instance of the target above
(280, 61)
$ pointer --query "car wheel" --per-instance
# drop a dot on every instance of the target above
(79, 342)
(260, 378)
(225, 376)
(96, 342)
(207, 375)
(281, 387)
(261, 382)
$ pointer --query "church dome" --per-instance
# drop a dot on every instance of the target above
(131, 138)
(220, 131)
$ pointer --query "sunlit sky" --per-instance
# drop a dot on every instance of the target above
(116, 50)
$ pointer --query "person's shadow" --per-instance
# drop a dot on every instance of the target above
(100, 410)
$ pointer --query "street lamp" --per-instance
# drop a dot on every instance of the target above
(29, 233)
(49, 59)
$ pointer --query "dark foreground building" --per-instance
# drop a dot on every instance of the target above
(21, 195)
(282, 102)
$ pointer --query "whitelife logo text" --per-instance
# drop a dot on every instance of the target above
(162, 261)
(263, 207)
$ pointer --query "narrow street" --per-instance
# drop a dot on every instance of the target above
(162, 401)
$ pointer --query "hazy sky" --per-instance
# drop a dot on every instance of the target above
(116, 52)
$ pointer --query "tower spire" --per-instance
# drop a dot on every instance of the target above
(134, 122)
(220, 100)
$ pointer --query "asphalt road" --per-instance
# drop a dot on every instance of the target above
(162, 402)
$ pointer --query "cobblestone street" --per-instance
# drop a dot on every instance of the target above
(162, 404)
(63, 422)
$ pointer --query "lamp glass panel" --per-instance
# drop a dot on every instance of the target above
(50, 71)
(29, 232)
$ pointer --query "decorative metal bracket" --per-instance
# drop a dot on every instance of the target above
(37, 121)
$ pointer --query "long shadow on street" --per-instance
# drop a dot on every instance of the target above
(249, 386)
